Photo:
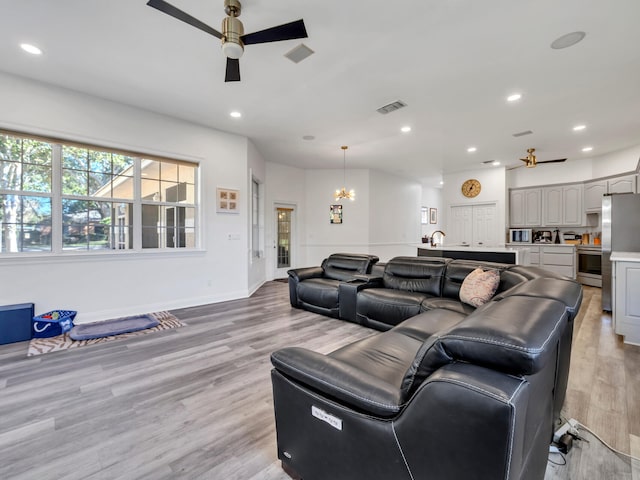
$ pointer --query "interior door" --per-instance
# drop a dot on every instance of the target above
(284, 240)
(485, 226)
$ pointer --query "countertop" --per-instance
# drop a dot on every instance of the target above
(542, 245)
(625, 256)
(458, 248)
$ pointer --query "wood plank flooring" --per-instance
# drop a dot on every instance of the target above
(196, 403)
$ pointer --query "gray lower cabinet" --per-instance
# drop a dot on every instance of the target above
(559, 259)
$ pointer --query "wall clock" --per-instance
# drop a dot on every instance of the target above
(471, 188)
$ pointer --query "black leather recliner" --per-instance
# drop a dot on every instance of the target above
(441, 395)
(316, 288)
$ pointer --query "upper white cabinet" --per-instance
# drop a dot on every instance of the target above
(563, 205)
(525, 207)
(626, 184)
(593, 191)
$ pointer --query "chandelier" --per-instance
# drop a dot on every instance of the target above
(342, 193)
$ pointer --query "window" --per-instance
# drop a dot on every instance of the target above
(57, 197)
(25, 194)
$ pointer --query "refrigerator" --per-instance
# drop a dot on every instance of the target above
(620, 233)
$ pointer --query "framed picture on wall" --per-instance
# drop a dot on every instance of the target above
(424, 215)
(433, 215)
(227, 201)
(335, 213)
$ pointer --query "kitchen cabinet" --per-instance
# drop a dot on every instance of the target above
(474, 225)
(562, 205)
(593, 191)
(626, 302)
(527, 254)
(525, 207)
(560, 259)
(624, 184)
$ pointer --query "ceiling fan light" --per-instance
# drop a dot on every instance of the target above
(232, 50)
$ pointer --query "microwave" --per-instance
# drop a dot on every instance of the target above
(520, 235)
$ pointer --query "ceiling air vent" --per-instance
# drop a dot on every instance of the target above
(392, 107)
(522, 134)
(299, 53)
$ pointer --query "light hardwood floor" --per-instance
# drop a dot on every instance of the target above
(196, 403)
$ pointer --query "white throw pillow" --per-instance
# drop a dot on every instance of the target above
(479, 287)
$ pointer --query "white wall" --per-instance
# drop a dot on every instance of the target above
(615, 163)
(432, 198)
(493, 190)
(394, 216)
(623, 161)
(324, 238)
(109, 285)
(284, 185)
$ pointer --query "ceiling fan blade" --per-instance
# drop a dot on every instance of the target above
(233, 70)
(557, 160)
(288, 31)
(169, 9)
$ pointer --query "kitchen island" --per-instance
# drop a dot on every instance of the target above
(485, 254)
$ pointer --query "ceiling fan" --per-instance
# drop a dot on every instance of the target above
(233, 36)
(530, 160)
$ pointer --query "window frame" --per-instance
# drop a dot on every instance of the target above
(57, 247)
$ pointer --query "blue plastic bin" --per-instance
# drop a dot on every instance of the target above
(45, 325)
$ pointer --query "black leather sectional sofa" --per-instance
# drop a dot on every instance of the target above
(444, 391)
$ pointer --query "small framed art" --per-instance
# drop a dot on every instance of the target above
(433, 215)
(227, 201)
(335, 213)
(424, 215)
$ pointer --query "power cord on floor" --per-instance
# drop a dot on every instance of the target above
(581, 425)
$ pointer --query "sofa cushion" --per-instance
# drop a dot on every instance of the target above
(343, 266)
(479, 287)
(427, 324)
(321, 292)
(415, 274)
(455, 305)
(516, 335)
(565, 290)
(388, 306)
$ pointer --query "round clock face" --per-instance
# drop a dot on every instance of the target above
(471, 188)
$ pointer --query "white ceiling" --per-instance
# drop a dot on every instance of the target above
(452, 61)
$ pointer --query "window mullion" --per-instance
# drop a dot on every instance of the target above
(56, 199)
(137, 204)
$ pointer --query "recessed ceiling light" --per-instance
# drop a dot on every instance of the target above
(577, 128)
(567, 40)
(514, 97)
(32, 49)
(441, 182)
(587, 149)
(406, 129)
(235, 114)
(471, 149)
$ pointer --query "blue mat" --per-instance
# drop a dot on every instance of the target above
(112, 327)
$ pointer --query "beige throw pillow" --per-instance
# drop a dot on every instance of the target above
(479, 287)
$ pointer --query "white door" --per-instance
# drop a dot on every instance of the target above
(485, 226)
(284, 239)
(461, 226)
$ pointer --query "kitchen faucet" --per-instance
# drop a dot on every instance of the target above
(433, 244)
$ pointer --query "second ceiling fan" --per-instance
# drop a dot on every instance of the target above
(530, 160)
(232, 35)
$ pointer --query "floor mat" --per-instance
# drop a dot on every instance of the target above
(38, 346)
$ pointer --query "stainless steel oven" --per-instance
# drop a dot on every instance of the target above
(590, 265)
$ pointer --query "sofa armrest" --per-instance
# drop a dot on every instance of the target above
(301, 274)
(339, 380)
(348, 294)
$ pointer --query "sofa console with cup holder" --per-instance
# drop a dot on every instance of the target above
(446, 390)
